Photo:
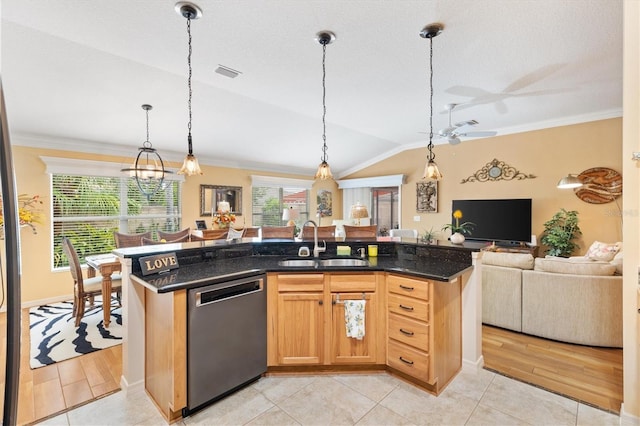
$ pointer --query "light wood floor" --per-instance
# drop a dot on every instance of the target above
(55, 388)
(588, 374)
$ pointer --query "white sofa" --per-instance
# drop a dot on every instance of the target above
(574, 300)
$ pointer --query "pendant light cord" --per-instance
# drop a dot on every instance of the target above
(189, 82)
(147, 143)
(324, 105)
(432, 156)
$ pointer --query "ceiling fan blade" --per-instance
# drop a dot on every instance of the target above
(482, 134)
(466, 123)
(446, 131)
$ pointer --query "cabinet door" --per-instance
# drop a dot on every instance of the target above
(300, 328)
(348, 350)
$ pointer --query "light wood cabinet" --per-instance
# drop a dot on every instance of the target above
(424, 329)
(306, 319)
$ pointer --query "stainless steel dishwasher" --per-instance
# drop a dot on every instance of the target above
(226, 339)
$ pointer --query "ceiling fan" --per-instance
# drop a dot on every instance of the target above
(454, 131)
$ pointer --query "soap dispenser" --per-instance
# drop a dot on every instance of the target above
(361, 252)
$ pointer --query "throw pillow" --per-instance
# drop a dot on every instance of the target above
(603, 251)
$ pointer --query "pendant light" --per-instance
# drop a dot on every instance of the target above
(431, 171)
(324, 171)
(190, 11)
(148, 168)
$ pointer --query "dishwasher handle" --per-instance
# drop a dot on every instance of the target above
(244, 288)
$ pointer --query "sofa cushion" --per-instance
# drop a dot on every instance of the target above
(603, 251)
(508, 260)
(617, 262)
(574, 266)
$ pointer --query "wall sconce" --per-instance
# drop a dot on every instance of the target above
(358, 211)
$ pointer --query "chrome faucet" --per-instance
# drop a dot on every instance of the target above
(316, 248)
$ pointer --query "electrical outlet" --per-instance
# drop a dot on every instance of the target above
(416, 218)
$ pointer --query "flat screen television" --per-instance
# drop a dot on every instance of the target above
(505, 221)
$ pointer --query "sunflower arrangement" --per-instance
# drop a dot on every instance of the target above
(223, 219)
(28, 211)
(462, 228)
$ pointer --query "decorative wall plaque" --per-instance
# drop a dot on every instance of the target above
(427, 197)
(600, 185)
(497, 170)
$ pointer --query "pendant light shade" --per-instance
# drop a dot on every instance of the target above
(189, 11)
(431, 170)
(324, 171)
(148, 168)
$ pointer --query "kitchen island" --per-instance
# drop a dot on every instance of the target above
(426, 349)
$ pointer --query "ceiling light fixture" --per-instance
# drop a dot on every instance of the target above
(324, 171)
(148, 168)
(190, 11)
(431, 168)
(569, 182)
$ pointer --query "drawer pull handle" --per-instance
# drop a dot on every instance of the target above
(408, 333)
(406, 361)
(404, 287)
(406, 308)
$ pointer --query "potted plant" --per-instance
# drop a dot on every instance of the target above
(430, 236)
(559, 233)
(458, 229)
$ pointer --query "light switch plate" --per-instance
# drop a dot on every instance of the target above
(416, 218)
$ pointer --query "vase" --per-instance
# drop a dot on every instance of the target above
(457, 238)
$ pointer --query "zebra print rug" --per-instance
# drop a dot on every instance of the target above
(54, 336)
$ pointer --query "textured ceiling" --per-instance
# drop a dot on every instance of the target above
(75, 74)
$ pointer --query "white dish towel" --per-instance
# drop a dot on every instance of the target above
(354, 318)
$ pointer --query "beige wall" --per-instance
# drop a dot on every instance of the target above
(548, 154)
(40, 283)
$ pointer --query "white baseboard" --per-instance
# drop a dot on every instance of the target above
(628, 419)
(131, 387)
(471, 366)
(40, 302)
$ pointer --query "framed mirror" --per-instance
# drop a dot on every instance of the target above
(211, 195)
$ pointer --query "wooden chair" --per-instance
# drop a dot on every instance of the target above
(360, 232)
(278, 232)
(324, 233)
(252, 232)
(86, 290)
(173, 236)
(150, 242)
(210, 234)
(130, 240)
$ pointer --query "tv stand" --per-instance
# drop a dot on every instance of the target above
(512, 247)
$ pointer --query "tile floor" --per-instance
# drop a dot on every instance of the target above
(484, 398)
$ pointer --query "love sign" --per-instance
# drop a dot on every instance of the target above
(158, 263)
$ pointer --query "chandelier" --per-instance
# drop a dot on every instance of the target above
(190, 11)
(148, 168)
(431, 171)
(324, 171)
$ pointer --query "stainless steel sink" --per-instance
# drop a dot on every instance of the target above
(306, 263)
(343, 262)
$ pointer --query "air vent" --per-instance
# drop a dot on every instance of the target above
(227, 72)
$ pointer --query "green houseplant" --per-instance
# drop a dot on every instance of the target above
(559, 233)
(429, 236)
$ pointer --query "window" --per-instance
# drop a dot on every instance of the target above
(385, 208)
(270, 196)
(88, 209)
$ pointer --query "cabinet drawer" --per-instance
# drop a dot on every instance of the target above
(411, 332)
(408, 306)
(408, 287)
(342, 283)
(300, 282)
(408, 360)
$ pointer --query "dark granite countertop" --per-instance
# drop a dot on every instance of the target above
(203, 264)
